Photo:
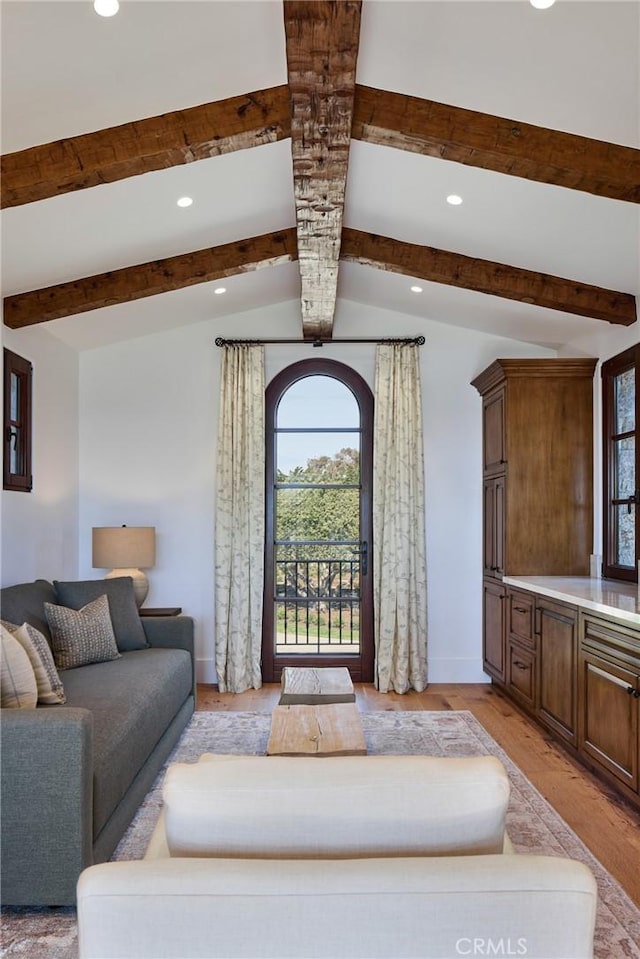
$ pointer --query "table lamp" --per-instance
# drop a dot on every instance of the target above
(125, 549)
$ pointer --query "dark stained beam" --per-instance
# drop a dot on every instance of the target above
(155, 143)
(484, 276)
(149, 279)
(496, 143)
(322, 40)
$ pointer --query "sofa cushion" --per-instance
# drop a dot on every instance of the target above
(335, 807)
(127, 625)
(132, 701)
(50, 688)
(81, 636)
(535, 906)
(18, 687)
(25, 603)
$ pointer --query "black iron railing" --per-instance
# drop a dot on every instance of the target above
(317, 605)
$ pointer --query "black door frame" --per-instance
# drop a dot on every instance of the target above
(360, 667)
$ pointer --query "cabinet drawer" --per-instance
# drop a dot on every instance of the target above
(520, 624)
(521, 673)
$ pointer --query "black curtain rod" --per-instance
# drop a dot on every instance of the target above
(320, 341)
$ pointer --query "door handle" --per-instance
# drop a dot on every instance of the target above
(364, 553)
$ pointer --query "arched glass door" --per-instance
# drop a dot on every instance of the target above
(318, 594)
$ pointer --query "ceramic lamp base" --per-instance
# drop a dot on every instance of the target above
(140, 582)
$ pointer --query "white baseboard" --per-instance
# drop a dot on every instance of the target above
(440, 671)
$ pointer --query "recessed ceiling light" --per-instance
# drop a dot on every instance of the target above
(220, 289)
(185, 201)
(106, 8)
(542, 4)
(454, 199)
(416, 289)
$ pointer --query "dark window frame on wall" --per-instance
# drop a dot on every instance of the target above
(620, 437)
(17, 434)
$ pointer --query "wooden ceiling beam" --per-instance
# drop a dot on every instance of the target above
(149, 279)
(155, 143)
(485, 276)
(322, 41)
(495, 143)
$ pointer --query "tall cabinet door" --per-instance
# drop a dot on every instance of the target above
(494, 528)
(493, 435)
(494, 610)
(557, 629)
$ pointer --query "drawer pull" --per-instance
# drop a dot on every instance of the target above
(611, 678)
(520, 665)
(520, 609)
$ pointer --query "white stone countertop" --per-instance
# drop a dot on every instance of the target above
(607, 596)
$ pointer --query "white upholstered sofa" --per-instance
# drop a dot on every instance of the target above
(377, 856)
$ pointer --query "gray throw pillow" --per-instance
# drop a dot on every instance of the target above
(127, 625)
(80, 637)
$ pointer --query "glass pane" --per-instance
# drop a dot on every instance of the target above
(316, 402)
(15, 397)
(625, 401)
(14, 453)
(317, 514)
(625, 539)
(318, 457)
(625, 468)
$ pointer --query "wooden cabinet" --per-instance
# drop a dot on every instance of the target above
(609, 698)
(494, 596)
(537, 442)
(493, 526)
(557, 631)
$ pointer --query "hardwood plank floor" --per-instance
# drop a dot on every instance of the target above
(607, 824)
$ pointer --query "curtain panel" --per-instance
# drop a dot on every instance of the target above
(400, 573)
(240, 519)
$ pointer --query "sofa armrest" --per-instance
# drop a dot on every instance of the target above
(47, 799)
(174, 632)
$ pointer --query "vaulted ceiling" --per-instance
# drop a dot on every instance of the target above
(319, 141)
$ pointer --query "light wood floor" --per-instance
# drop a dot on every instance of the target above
(606, 823)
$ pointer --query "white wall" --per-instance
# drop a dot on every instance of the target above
(39, 529)
(148, 427)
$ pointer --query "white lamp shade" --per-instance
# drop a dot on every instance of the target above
(123, 547)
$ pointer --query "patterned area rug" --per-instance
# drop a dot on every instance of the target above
(533, 826)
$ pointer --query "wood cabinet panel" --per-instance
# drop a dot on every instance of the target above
(493, 526)
(493, 444)
(521, 673)
(609, 717)
(609, 697)
(521, 609)
(557, 628)
(494, 595)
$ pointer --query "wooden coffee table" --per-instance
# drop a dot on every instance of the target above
(309, 686)
(332, 729)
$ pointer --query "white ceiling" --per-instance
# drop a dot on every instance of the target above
(66, 71)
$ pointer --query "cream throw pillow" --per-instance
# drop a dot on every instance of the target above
(17, 678)
(80, 637)
(50, 688)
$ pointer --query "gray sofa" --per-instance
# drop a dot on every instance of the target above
(73, 775)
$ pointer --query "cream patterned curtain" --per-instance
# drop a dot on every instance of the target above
(239, 536)
(400, 575)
